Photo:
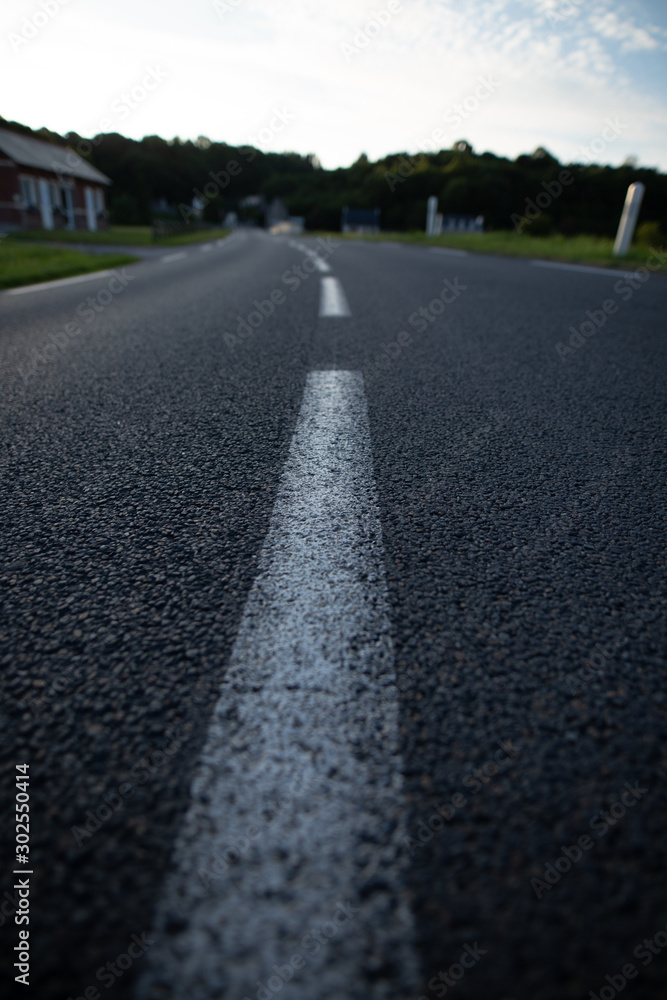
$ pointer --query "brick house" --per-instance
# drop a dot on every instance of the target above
(43, 186)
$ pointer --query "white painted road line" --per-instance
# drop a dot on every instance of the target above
(173, 256)
(450, 251)
(301, 770)
(320, 264)
(205, 247)
(609, 272)
(332, 298)
(57, 283)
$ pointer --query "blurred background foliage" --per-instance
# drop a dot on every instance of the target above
(465, 182)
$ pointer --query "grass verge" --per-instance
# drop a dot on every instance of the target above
(592, 250)
(28, 265)
(122, 235)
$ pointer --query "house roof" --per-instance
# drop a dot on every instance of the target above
(28, 152)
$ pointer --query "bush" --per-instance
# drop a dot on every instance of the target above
(649, 233)
(124, 211)
(543, 225)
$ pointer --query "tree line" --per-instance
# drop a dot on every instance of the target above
(154, 176)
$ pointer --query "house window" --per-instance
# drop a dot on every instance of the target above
(99, 201)
(55, 195)
(29, 192)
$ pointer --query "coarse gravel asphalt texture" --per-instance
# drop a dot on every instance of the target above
(521, 499)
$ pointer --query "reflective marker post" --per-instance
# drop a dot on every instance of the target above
(431, 209)
(626, 226)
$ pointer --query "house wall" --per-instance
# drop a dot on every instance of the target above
(15, 215)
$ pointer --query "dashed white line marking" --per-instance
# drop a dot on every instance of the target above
(450, 251)
(583, 268)
(205, 247)
(58, 282)
(173, 256)
(301, 770)
(332, 298)
(320, 264)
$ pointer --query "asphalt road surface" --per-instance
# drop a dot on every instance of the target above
(333, 627)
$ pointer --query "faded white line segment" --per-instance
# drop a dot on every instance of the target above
(296, 805)
(320, 264)
(332, 298)
(205, 247)
(583, 268)
(450, 251)
(173, 256)
(58, 283)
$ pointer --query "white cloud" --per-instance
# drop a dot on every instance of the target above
(632, 38)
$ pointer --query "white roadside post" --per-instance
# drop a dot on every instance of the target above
(431, 210)
(626, 227)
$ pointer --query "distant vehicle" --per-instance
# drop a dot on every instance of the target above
(288, 227)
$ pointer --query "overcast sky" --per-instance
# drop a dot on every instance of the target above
(347, 76)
